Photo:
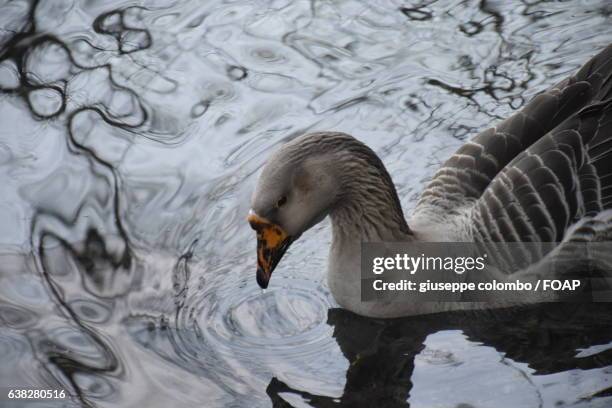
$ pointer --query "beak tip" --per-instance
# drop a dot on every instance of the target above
(262, 279)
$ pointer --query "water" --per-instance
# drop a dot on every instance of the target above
(130, 141)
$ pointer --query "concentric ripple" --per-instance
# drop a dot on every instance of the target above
(288, 318)
(277, 315)
(243, 336)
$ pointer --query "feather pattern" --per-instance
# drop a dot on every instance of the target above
(540, 172)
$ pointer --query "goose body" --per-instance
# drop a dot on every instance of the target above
(542, 175)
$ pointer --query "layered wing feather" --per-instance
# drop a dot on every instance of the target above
(543, 170)
(468, 172)
(563, 179)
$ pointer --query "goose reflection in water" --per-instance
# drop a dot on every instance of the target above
(467, 359)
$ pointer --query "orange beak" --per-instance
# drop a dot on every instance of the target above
(272, 242)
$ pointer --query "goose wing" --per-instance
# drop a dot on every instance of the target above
(560, 186)
(563, 178)
(545, 165)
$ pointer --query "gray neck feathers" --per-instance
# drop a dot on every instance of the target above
(367, 207)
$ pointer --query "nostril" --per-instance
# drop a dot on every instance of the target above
(255, 221)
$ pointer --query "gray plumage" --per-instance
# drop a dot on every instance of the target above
(544, 169)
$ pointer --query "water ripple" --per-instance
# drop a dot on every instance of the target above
(271, 323)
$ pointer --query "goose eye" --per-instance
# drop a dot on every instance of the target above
(281, 202)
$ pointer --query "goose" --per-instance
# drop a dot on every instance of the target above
(543, 175)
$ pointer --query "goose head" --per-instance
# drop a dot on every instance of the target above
(297, 188)
(315, 175)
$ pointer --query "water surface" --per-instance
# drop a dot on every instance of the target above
(131, 137)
